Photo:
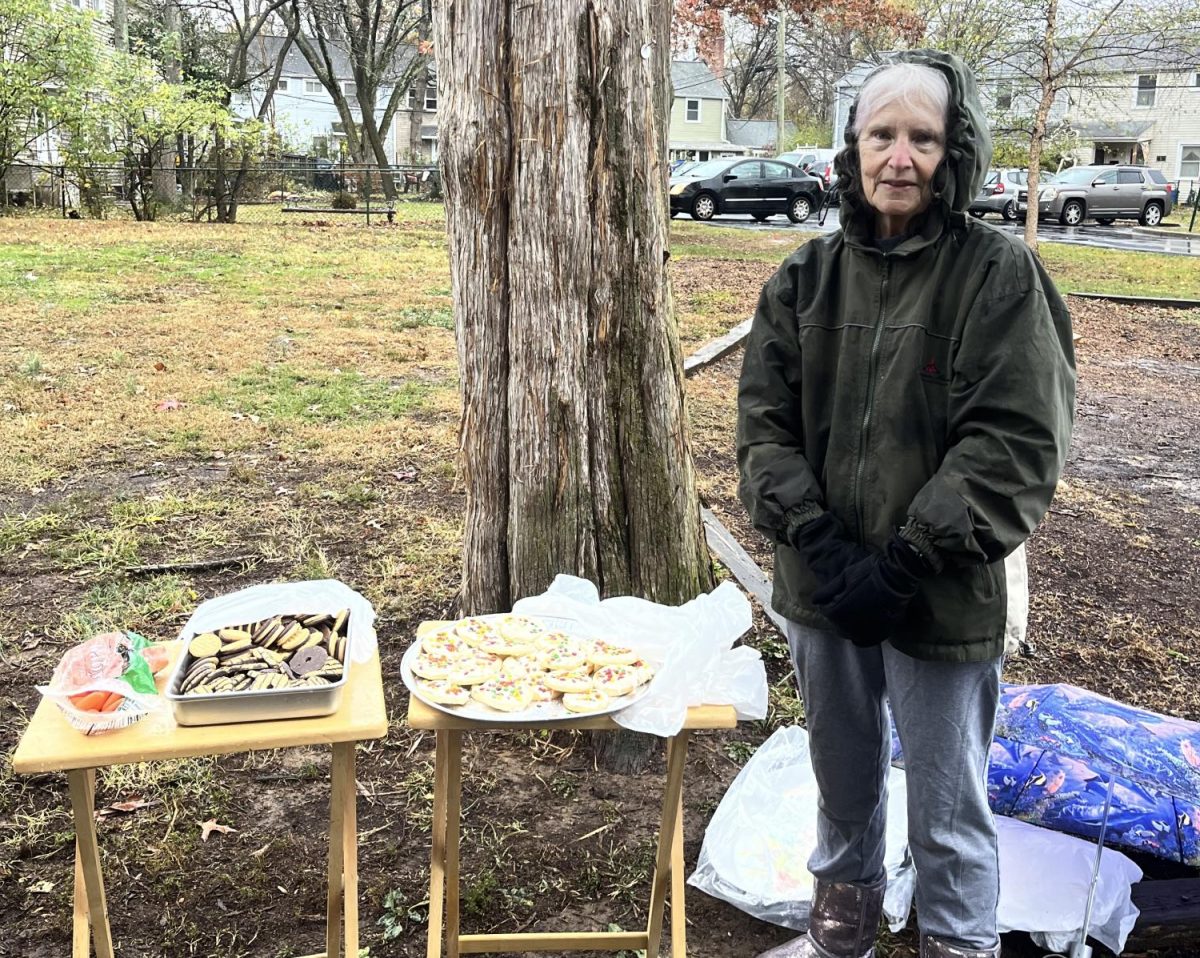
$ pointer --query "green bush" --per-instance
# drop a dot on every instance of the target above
(344, 201)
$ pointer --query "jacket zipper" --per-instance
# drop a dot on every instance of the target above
(866, 423)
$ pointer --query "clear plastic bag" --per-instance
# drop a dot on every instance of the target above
(756, 848)
(693, 644)
(105, 683)
(290, 598)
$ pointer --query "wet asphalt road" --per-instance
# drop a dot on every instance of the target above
(1121, 237)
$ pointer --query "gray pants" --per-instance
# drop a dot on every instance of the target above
(945, 714)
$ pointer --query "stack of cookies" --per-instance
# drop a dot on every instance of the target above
(511, 663)
(286, 651)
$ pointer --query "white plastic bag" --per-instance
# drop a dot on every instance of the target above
(756, 848)
(1016, 577)
(693, 642)
(290, 598)
(1044, 879)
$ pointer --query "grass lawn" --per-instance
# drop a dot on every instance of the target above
(326, 350)
(183, 392)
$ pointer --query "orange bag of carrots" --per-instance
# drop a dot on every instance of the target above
(107, 682)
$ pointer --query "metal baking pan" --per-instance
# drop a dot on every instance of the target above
(262, 705)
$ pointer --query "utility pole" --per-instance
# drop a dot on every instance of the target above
(780, 61)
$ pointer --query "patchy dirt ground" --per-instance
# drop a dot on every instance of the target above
(549, 842)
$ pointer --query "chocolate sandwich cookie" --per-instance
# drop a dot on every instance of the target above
(308, 659)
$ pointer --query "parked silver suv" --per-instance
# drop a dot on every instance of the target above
(1106, 193)
(999, 193)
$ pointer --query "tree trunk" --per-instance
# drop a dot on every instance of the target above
(1046, 77)
(375, 141)
(552, 126)
(164, 171)
(120, 25)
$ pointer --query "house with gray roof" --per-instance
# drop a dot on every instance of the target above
(698, 114)
(304, 113)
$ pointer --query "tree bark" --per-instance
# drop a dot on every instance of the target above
(164, 170)
(552, 126)
(1047, 91)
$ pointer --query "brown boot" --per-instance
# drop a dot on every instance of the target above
(844, 921)
(937, 948)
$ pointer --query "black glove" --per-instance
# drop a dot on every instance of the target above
(823, 543)
(868, 600)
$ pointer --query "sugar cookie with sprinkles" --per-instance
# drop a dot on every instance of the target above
(606, 653)
(445, 643)
(433, 665)
(480, 667)
(615, 679)
(576, 680)
(504, 695)
(541, 691)
(562, 657)
(473, 630)
(519, 629)
(592, 701)
(445, 693)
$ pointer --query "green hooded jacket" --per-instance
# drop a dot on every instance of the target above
(928, 389)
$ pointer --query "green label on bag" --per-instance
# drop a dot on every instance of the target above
(138, 673)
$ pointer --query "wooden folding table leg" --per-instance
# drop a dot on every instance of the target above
(672, 797)
(437, 864)
(81, 785)
(453, 823)
(678, 886)
(335, 901)
(343, 773)
(81, 930)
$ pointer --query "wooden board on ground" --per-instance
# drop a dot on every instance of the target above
(714, 349)
(738, 561)
(1170, 913)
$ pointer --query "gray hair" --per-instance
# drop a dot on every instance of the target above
(907, 82)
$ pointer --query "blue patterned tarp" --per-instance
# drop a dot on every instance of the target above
(1056, 746)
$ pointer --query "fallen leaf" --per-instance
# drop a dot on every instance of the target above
(207, 828)
(168, 404)
(43, 887)
(405, 475)
(124, 808)
(160, 366)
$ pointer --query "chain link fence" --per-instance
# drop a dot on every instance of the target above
(305, 190)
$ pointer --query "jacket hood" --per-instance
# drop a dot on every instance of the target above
(968, 141)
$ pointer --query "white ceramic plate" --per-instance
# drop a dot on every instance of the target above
(538, 712)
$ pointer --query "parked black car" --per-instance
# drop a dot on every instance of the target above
(761, 188)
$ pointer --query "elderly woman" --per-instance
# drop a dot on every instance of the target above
(905, 409)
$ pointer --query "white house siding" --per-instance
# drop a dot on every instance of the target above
(303, 116)
(1172, 124)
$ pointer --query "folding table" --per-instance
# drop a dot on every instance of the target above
(50, 744)
(447, 806)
